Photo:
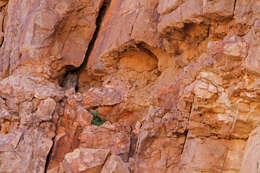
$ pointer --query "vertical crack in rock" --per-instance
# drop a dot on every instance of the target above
(235, 2)
(233, 125)
(99, 19)
(72, 76)
(48, 158)
(186, 131)
(186, 134)
(1, 29)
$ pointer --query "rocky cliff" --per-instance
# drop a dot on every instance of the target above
(129, 86)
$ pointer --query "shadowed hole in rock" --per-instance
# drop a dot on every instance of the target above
(138, 61)
(72, 74)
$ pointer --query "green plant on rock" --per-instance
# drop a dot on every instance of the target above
(97, 120)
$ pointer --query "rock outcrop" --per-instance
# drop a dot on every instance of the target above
(102, 86)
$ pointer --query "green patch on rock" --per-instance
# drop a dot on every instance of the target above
(97, 120)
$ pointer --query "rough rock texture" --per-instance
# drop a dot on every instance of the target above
(40, 35)
(84, 160)
(177, 81)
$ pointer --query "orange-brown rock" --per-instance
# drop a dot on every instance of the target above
(26, 150)
(40, 34)
(251, 155)
(114, 137)
(158, 86)
(212, 155)
(115, 164)
(141, 17)
(83, 160)
(101, 97)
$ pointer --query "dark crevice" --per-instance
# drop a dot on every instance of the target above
(186, 136)
(48, 158)
(71, 77)
(95, 35)
(133, 142)
(146, 50)
(2, 30)
(235, 3)
(78, 70)
(70, 80)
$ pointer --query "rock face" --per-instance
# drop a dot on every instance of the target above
(102, 86)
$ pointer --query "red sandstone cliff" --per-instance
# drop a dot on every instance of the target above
(177, 81)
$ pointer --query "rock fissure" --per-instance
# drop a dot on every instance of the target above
(48, 158)
(235, 3)
(49, 155)
(2, 18)
(76, 72)
(186, 132)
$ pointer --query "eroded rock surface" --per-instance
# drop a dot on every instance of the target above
(102, 86)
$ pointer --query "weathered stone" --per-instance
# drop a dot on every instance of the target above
(137, 61)
(84, 159)
(114, 137)
(166, 6)
(235, 46)
(219, 8)
(45, 33)
(252, 61)
(204, 90)
(141, 27)
(83, 117)
(24, 87)
(158, 132)
(28, 139)
(10, 141)
(251, 155)
(28, 154)
(46, 109)
(245, 11)
(194, 11)
(115, 164)
(212, 155)
(101, 97)
(177, 81)
(67, 134)
(3, 3)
